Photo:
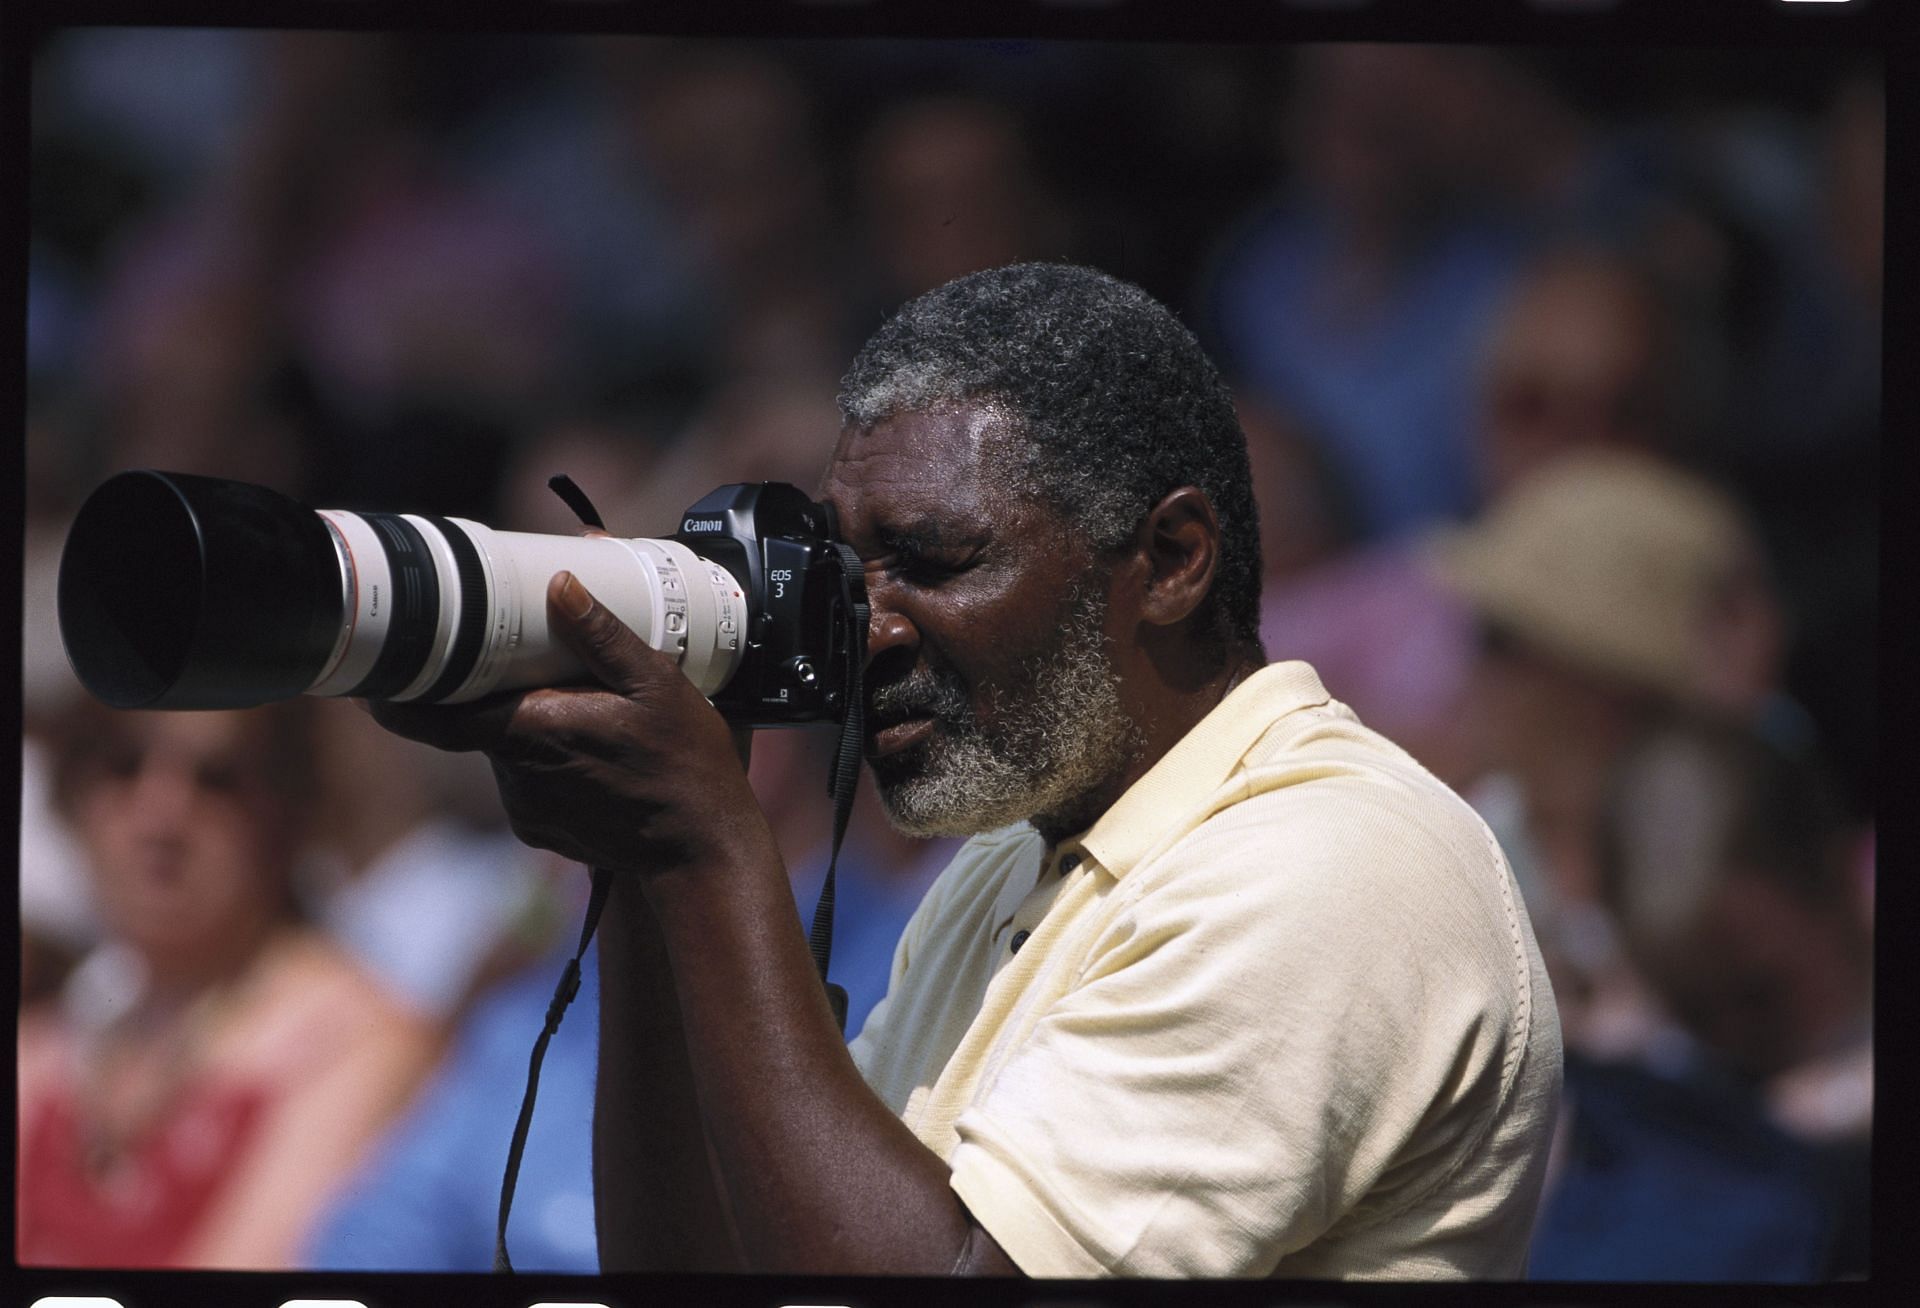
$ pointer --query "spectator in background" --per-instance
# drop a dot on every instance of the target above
(1585, 353)
(949, 186)
(1590, 352)
(728, 134)
(217, 1067)
(1729, 868)
(1614, 590)
(1742, 1155)
(559, 155)
(1609, 587)
(430, 313)
(613, 457)
(1357, 300)
(757, 427)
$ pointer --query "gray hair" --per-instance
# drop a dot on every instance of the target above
(1112, 398)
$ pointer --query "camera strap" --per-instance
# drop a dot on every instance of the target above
(556, 1009)
(843, 779)
(575, 499)
(844, 776)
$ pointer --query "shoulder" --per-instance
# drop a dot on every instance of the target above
(1322, 790)
(311, 1003)
(1330, 843)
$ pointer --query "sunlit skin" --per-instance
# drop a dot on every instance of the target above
(712, 1015)
(968, 576)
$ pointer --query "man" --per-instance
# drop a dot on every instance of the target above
(1223, 984)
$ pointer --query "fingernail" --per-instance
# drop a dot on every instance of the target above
(575, 602)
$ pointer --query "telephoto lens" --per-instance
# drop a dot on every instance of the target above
(186, 592)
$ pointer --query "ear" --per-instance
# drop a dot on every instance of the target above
(1180, 542)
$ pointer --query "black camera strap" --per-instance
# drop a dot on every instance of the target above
(842, 781)
(844, 777)
(556, 1009)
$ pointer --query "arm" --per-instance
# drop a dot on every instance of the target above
(657, 1203)
(821, 1176)
(816, 1174)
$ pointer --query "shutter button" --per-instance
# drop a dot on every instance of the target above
(1019, 939)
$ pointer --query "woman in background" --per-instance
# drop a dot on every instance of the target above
(212, 1072)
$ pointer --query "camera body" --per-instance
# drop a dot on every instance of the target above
(801, 632)
(186, 592)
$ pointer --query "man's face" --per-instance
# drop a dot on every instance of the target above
(992, 694)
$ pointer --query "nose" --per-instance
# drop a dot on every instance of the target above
(161, 798)
(889, 631)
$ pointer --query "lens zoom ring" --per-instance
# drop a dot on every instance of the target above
(471, 636)
(415, 608)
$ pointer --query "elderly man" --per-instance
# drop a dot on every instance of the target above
(1222, 984)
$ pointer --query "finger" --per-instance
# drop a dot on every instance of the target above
(482, 724)
(605, 645)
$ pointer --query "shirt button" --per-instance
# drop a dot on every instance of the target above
(1019, 939)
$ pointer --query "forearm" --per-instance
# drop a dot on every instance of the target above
(821, 1176)
(657, 1204)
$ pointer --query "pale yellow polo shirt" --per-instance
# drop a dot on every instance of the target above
(1279, 1012)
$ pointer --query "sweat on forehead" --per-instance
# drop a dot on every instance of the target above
(959, 464)
(1113, 400)
(990, 437)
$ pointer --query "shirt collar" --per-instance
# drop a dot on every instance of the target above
(1197, 766)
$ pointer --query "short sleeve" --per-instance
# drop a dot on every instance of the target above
(1299, 1017)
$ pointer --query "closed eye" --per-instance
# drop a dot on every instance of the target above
(925, 568)
(926, 553)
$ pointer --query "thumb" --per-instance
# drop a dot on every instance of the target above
(596, 636)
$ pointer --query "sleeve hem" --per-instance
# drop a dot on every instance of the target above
(1017, 1219)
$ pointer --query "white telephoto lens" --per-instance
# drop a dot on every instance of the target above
(448, 610)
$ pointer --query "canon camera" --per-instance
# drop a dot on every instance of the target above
(186, 592)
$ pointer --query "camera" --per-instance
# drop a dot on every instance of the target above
(179, 591)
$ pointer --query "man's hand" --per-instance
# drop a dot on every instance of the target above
(640, 773)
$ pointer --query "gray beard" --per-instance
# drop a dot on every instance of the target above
(1060, 733)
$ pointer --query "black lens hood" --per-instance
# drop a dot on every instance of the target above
(185, 592)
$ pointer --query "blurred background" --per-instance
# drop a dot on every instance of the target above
(1560, 374)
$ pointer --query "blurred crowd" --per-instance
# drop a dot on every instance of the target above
(1560, 376)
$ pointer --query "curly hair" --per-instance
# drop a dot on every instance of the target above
(1114, 400)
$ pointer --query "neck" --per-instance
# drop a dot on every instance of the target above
(175, 978)
(1172, 708)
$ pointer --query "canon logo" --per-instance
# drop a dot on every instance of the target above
(703, 524)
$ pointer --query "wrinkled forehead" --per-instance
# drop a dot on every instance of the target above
(960, 456)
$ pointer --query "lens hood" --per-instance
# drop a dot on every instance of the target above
(185, 592)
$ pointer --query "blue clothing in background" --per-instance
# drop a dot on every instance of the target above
(873, 900)
(430, 1197)
(1669, 1180)
(1389, 389)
